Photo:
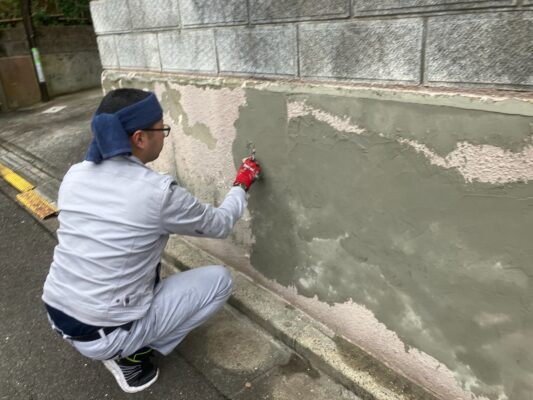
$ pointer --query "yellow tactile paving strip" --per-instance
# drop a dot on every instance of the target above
(4, 170)
(18, 182)
(28, 197)
(36, 204)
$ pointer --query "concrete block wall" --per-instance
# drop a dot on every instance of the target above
(69, 55)
(415, 42)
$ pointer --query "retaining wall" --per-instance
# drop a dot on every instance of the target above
(69, 57)
(399, 215)
(418, 42)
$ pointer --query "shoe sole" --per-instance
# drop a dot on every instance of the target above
(117, 373)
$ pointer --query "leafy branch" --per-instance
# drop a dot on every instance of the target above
(46, 12)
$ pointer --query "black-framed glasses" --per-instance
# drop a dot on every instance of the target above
(165, 129)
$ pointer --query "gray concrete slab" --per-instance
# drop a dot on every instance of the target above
(108, 51)
(129, 50)
(110, 16)
(138, 50)
(294, 380)
(68, 72)
(387, 50)
(232, 351)
(294, 10)
(258, 51)
(481, 48)
(188, 51)
(153, 14)
(206, 12)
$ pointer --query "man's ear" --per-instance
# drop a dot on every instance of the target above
(138, 139)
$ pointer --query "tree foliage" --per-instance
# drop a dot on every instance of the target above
(47, 12)
(9, 9)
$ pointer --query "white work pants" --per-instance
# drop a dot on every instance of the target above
(181, 303)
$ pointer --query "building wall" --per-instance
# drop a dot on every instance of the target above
(17, 75)
(399, 216)
(69, 57)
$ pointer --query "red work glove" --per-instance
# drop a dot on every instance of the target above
(248, 172)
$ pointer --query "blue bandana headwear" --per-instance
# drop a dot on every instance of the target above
(111, 130)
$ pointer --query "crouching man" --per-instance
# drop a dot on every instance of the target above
(103, 293)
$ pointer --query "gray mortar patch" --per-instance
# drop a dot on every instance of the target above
(438, 261)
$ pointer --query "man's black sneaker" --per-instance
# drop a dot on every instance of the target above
(134, 373)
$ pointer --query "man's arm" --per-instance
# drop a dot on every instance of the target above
(183, 214)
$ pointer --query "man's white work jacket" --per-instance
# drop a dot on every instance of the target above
(113, 226)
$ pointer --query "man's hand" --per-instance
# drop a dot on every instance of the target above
(248, 172)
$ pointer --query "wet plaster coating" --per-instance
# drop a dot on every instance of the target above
(438, 252)
(404, 226)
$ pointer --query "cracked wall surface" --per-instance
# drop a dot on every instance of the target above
(401, 220)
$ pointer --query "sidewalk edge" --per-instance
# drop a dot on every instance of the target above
(343, 361)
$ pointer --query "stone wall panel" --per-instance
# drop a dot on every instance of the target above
(149, 14)
(369, 50)
(220, 12)
(138, 50)
(108, 51)
(384, 7)
(480, 48)
(262, 51)
(110, 16)
(276, 10)
(192, 50)
(150, 47)
(129, 51)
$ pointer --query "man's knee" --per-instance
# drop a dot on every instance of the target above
(223, 278)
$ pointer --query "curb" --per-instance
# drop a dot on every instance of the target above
(19, 172)
(367, 377)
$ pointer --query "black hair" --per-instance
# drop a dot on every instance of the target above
(118, 99)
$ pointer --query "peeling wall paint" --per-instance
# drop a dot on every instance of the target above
(482, 163)
(300, 109)
(402, 223)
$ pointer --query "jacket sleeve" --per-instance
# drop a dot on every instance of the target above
(183, 214)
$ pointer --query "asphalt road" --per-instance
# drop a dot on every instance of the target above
(35, 363)
(58, 139)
